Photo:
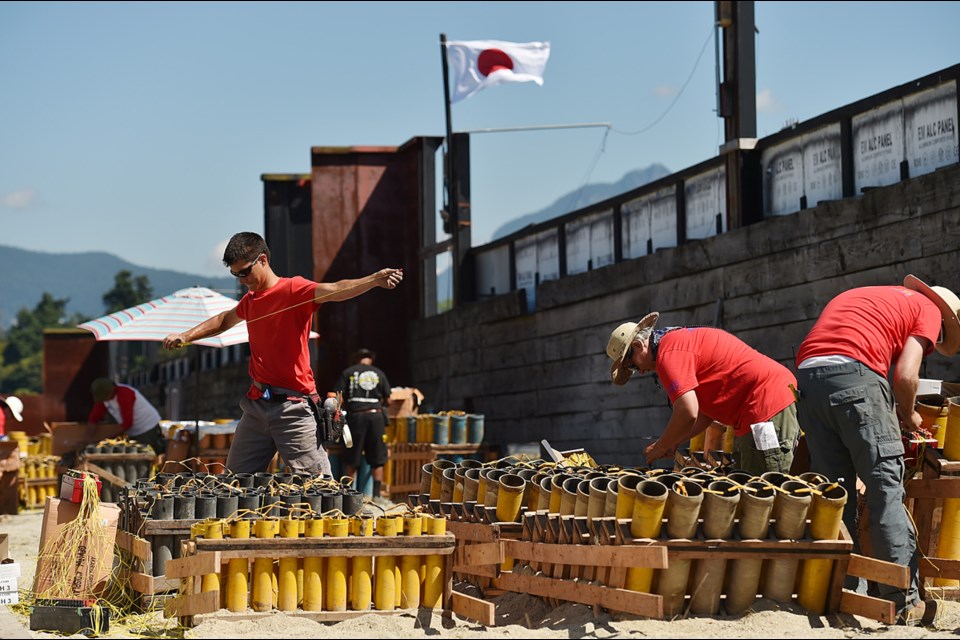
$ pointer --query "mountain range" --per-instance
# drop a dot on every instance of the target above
(83, 278)
(584, 197)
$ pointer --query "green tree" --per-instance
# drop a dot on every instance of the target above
(127, 292)
(23, 351)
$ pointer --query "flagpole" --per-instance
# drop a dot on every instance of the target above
(453, 211)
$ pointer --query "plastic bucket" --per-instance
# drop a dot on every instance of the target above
(474, 428)
(458, 429)
(441, 429)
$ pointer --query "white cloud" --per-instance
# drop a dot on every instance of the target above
(766, 103)
(214, 260)
(19, 199)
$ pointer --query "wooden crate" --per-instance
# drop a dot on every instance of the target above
(42, 487)
(142, 538)
(136, 570)
(406, 459)
(939, 479)
(202, 556)
(404, 467)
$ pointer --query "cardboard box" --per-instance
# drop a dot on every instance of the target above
(9, 493)
(84, 569)
(404, 401)
(67, 437)
(927, 387)
(9, 456)
(10, 570)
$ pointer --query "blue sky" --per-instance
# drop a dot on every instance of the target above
(142, 129)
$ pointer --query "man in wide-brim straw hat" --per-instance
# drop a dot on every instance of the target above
(711, 375)
(853, 417)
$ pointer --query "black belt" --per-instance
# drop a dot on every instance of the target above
(366, 410)
(276, 394)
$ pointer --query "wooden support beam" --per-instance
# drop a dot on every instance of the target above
(104, 474)
(867, 606)
(467, 606)
(637, 603)
(890, 573)
(200, 564)
(192, 604)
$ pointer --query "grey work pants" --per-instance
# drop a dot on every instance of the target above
(268, 427)
(847, 413)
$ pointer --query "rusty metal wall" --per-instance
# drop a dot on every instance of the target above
(366, 216)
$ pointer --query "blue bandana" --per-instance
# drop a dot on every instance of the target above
(655, 339)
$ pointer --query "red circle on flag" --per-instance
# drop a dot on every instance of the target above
(491, 60)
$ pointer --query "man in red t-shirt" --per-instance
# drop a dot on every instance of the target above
(277, 413)
(134, 415)
(710, 375)
(853, 417)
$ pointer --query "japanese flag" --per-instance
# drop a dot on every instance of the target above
(477, 64)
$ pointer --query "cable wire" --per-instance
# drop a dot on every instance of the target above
(680, 93)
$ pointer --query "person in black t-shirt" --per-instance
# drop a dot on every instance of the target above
(366, 391)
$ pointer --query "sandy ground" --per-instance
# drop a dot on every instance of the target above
(518, 616)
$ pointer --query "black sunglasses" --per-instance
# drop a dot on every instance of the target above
(243, 273)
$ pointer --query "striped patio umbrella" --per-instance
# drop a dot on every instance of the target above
(175, 313)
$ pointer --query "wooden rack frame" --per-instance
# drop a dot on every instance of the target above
(575, 559)
(201, 556)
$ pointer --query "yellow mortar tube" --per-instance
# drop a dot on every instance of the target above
(649, 502)
(458, 487)
(826, 514)
(436, 481)
(509, 501)
(238, 584)
(287, 575)
(301, 525)
(361, 574)
(313, 569)
(434, 581)
(509, 497)
(697, 441)
(397, 575)
(934, 419)
(627, 494)
(951, 444)
(262, 597)
(336, 527)
(481, 487)
(410, 567)
(213, 530)
(385, 585)
(425, 519)
(948, 546)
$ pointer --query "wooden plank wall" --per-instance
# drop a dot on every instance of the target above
(545, 374)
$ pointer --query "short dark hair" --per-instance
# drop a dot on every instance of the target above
(245, 246)
(360, 354)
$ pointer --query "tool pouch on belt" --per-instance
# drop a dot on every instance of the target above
(329, 421)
